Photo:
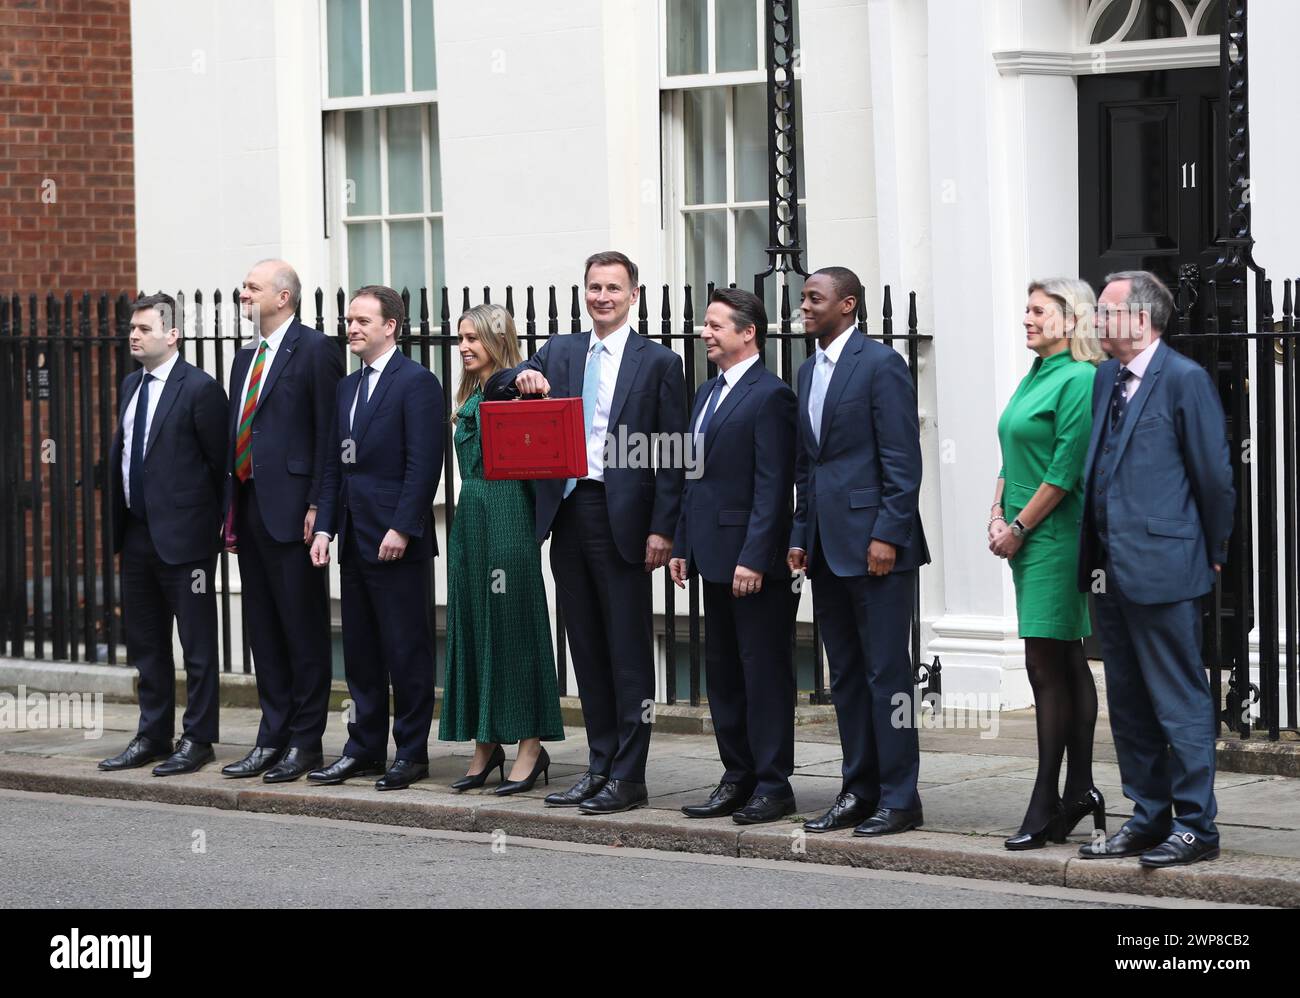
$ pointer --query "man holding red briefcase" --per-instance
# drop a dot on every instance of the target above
(614, 527)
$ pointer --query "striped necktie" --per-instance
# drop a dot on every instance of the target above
(244, 438)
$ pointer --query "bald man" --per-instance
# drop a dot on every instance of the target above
(282, 388)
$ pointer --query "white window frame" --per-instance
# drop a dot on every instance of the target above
(673, 133)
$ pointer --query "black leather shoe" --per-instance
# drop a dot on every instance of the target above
(190, 756)
(764, 809)
(472, 782)
(1122, 843)
(1074, 811)
(296, 763)
(140, 752)
(586, 787)
(890, 821)
(615, 796)
(1179, 850)
(847, 811)
(255, 763)
(727, 798)
(402, 774)
(345, 768)
(541, 766)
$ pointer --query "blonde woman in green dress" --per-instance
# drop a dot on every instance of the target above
(1034, 523)
(500, 686)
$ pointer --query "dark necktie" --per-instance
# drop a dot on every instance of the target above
(363, 393)
(137, 445)
(1118, 398)
(712, 406)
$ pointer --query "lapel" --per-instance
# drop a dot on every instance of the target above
(282, 356)
(805, 385)
(1106, 375)
(129, 387)
(701, 400)
(581, 342)
(386, 377)
(626, 374)
(171, 388)
(1133, 411)
(839, 378)
(733, 399)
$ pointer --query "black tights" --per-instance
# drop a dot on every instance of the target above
(1065, 708)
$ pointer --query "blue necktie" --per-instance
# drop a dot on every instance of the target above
(821, 379)
(363, 396)
(590, 390)
(1119, 397)
(714, 396)
(137, 446)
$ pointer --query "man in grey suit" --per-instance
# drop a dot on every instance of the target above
(1157, 520)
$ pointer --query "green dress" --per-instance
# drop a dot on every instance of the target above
(500, 684)
(1044, 432)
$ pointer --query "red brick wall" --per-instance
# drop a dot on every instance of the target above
(67, 181)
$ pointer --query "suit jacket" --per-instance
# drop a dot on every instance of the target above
(291, 425)
(1170, 499)
(649, 399)
(737, 512)
(385, 471)
(184, 465)
(862, 481)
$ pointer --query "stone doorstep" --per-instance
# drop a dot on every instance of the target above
(1235, 878)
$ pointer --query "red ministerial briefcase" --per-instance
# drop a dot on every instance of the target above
(533, 438)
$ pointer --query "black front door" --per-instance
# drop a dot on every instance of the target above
(1150, 145)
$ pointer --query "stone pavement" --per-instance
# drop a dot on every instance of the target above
(974, 792)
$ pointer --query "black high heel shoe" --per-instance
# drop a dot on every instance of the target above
(1073, 812)
(497, 761)
(542, 765)
(1035, 840)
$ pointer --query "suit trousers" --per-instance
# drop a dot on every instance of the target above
(865, 624)
(286, 618)
(153, 593)
(386, 638)
(607, 617)
(749, 676)
(1161, 713)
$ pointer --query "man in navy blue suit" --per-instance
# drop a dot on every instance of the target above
(380, 479)
(857, 533)
(281, 405)
(733, 528)
(1156, 526)
(614, 527)
(167, 472)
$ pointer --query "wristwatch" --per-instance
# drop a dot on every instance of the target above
(1018, 529)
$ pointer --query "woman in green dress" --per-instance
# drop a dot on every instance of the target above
(1034, 523)
(500, 685)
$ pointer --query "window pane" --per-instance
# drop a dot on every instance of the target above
(343, 24)
(706, 146)
(361, 137)
(751, 143)
(687, 36)
(735, 30)
(439, 274)
(435, 163)
(751, 254)
(365, 255)
(424, 63)
(706, 255)
(405, 166)
(387, 59)
(406, 257)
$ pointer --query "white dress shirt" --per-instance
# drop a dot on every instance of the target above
(272, 345)
(1137, 367)
(610, 359)
(160, 374)
(730, 378)
(378, 366)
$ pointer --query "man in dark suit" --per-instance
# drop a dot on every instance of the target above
(380, 479)
(733, 528)
(857, 533)
(281, 405)
(1157, 521)
(612, 528)
(167, 473)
